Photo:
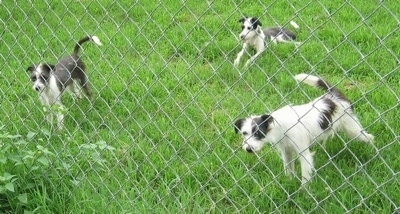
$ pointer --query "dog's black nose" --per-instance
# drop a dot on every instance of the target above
(249, 150)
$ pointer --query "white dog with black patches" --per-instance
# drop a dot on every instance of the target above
(50, 81)
(254, 36)
(293, 129)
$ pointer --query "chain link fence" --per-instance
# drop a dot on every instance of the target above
(157, 136)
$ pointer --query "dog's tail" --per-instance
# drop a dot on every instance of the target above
(295, 25)
(320, 83)
(297, 28)
(95, 39)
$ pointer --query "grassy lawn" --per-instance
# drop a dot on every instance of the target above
(158, 137)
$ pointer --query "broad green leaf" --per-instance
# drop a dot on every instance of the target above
(8, 176)
(46, 132)
(43, 160)
(3, 160)
(23, 198)
(30, 135)
(9, 187)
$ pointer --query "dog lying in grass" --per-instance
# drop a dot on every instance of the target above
(254, 36)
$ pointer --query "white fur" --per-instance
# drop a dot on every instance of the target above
(294, 24)
(308, 79)
(293, 129)
(96, 40)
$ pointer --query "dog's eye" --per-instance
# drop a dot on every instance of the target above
(259, 134)
(245, 133)
(33, 79)
(248, 28)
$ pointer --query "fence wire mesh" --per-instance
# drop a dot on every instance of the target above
(158, 135)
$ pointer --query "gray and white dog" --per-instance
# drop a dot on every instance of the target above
(254, 36)
(293, 129)
(50, 81)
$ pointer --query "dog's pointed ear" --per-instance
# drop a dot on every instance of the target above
(267, 118)
(49, 67)
(256, 22)
(238, 125)
(242, 19)
(30, 68)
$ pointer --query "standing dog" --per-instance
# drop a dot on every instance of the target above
(253, 36)
(293, 129)
(50, 81)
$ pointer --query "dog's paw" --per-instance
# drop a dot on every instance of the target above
(370, 137)
(248, 63)
(366, 137)
(236, 63)
(60, 128)
(78, 96)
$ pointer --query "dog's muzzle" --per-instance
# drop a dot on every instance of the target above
(249, 149)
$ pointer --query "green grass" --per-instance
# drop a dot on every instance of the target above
(158, 137)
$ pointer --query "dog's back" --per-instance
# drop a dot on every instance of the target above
(273, 32)
(68, 68)
(72, 67)
(281, 33)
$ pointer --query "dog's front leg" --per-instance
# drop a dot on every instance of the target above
(288, 162)
(59, 108)
(45, 100)
(252, 59)
(307, 165)
(60, 121)
(260, 49)
(49, 114)
(60, 117)
(240, 54)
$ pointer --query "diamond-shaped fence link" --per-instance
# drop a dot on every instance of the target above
(158, 133)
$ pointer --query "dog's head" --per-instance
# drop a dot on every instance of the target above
(40, 75)
(254, 131)
(251, 27)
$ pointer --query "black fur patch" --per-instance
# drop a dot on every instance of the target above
(326, 115)
(255, 22)
(333, 90)
(243, 19)
(31, 68)
(323, 85)
(261, 126)
(238, 125)
(48, 67)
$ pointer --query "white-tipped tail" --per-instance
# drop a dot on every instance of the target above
(294, 24)
(96, 40)
(308, 79)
